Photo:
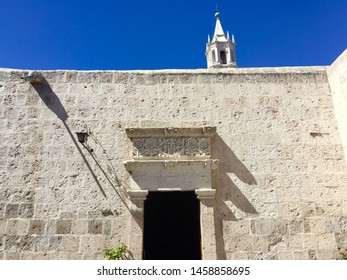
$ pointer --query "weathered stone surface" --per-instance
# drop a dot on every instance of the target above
(19, 243)
(36, 227)
(12, 210)
(79, 227)
(63, 226)
(95, 227)
(70, 244)
(26, 210)
(55, 243)
(92, 245)
(279, 191)
(12, 256)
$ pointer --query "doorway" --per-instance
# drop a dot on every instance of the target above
(172, 226)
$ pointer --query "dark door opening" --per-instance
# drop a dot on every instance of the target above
(172, 226)
(223, 57)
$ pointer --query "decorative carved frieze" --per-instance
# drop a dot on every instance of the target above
(131, 165)
(171, 147)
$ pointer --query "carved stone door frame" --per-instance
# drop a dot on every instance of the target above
(171, 159)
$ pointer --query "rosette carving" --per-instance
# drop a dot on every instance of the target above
(171, 147)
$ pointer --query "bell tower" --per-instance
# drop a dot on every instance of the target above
(220, 52)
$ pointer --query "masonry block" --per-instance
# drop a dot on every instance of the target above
(26, 210)
(37, 227)
(63, 226)
(11, 210)
(95, 227)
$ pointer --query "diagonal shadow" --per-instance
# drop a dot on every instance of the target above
(85, 160)
(53, 102)
(109, 172)
(227, 190)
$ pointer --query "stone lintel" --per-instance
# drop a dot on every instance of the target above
(205, 193)
(130, 165)
(204, 131)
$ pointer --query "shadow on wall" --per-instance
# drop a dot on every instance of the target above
(53, 102)
(227, 190)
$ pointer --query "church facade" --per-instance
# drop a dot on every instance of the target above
(216, 163)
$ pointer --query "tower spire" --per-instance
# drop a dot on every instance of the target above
(220, 53)
(218, 30)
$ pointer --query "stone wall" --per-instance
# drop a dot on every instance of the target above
(281, 184)
(337, 74)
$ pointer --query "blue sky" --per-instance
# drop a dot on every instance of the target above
(153, 34)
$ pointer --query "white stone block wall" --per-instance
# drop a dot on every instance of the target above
(337, 74)
(281, 185)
